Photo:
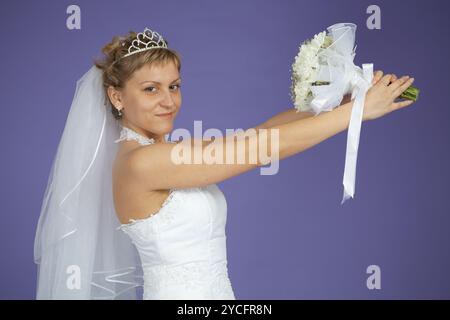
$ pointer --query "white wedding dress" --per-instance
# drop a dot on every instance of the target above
(182, 247)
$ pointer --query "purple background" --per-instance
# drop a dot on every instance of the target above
(288, 236)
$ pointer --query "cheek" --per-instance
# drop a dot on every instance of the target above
(178, 100)
(145, 104)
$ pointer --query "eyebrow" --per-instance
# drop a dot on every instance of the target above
(157, 81)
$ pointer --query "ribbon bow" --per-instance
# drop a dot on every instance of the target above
(337, 68)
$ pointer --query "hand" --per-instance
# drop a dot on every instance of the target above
(381, 96)
(376, 77)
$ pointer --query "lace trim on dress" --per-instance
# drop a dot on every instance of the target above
(221, 286)
(166, 214)
(167, 217)
(191, 275)
(129, 134)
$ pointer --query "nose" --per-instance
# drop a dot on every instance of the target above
(167, 100)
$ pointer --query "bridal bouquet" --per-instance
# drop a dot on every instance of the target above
(323, 72)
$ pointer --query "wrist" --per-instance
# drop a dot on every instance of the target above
(345, 112)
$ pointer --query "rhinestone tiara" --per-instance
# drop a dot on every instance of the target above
(145, 40)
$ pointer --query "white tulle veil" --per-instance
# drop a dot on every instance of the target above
(79, 250)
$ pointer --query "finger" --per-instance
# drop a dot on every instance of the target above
(396, 84)
(403, 87)
(401, 104)
(393, 78)
(377, 76)
(385, 79)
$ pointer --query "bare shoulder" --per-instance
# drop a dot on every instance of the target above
(122, 169)
(151, 151)
(181, 164)
(154, 165)
(160, 152)
(132, 199)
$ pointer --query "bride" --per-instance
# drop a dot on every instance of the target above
(118, 213)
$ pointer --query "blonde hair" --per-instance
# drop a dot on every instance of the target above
(117, 71)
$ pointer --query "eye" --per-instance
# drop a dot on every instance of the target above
(149, 89)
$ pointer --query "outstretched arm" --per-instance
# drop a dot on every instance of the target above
(290, 115)
(153, 166)
(284, 117)
(156, 166)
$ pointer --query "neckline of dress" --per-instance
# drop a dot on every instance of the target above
(129, 134)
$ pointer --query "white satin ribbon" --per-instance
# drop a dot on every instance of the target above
(336, 66)
(362, 85)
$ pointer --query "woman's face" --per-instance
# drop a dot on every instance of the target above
(152, 91)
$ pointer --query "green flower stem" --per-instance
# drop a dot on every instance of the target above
(412, 93)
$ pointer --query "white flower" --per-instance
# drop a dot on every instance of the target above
(305, 68)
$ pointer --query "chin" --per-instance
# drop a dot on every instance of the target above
(164, 128)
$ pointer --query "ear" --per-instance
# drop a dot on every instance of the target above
(115, 97)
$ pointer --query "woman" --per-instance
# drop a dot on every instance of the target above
(119, 212)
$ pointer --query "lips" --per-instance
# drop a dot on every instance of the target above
(165, 114)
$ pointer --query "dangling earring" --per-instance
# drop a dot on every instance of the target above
(120, 112)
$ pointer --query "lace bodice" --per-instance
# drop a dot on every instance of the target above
(182, 247)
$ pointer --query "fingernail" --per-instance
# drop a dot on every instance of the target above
(412, 79)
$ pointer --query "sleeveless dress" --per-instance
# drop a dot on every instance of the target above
(182, 247)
